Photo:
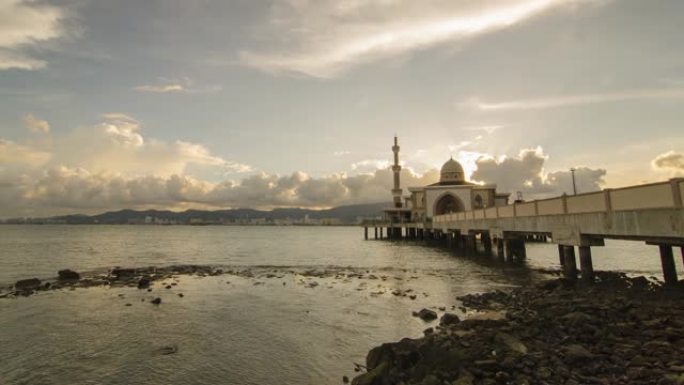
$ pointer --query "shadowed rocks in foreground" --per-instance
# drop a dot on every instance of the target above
(618, 331)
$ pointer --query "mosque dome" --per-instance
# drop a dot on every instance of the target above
(452, 172)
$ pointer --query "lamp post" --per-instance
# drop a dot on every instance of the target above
(574, 184)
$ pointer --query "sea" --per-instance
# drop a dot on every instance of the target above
(292, 327)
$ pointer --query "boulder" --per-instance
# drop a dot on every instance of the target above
(426, 315)
(68, 275)
(449, 319)
(27, 284)
(144, 283)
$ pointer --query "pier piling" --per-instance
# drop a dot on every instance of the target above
(570, 267)
(667, 260)
(500, 248)
(586, 264)
(487, 242)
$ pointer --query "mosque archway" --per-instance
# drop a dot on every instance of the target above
(448, 203)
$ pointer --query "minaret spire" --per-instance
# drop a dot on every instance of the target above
(396, 168)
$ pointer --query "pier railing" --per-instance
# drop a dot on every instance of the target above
(642, 197)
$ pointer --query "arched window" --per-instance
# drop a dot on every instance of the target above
(478, 204)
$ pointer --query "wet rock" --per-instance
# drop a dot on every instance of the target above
(167, 350)
(27, 284)
(123, 273)
(449, 319)
(144, 283)
(577, 353)
(426, 315)
(68, 275)
(512, 343)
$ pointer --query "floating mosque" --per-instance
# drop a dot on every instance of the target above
(452, 194)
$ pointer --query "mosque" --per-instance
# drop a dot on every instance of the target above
(452, 194)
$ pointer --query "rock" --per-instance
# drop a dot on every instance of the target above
(181, 295)
(512, 343)
(157, 301)
(166, 350)
(27, 284)
(430, 379)
(345, 379)
(426, 315)
(123, 273)
(68, 275)
(449, 319)
(370, 377)
(576, 353)
(144, 283)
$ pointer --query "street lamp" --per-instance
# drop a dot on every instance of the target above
(574, 185)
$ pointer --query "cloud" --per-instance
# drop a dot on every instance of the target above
(25, 24)
(323, 38)
(63, 189)
(16, 154)
(370, 165)
(578, 100)
(118, 145)
(671, 162)
(525, 173)
(36, 125)
(183, 85)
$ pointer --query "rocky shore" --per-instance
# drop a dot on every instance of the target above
(619, 330)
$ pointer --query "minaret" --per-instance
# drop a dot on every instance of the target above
(396, 191)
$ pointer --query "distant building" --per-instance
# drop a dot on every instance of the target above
(452, 194)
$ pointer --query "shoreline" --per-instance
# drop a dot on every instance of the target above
(620, 330)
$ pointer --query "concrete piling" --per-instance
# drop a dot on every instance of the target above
(570, 266)
(500, 253)
(486, 242)
(365, 233)
(586, 264)
(667, 261)
(561, 255)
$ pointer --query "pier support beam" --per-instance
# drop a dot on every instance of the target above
(586, 264)
(471, 244)
(667, 260)
(561, 255)
(500, 253)
(376, 233)
(486, 242)
(365, 233)
(508, 244)
(570, 266)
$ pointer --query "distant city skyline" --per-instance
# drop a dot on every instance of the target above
(175, 104)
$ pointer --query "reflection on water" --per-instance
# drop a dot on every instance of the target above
(230, 329)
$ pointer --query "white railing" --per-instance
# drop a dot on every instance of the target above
(643, 197)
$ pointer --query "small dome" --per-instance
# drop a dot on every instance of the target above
(452, 171)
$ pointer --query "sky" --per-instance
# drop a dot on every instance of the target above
(214, 104)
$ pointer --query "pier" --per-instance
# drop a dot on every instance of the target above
(650, 213)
